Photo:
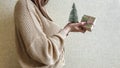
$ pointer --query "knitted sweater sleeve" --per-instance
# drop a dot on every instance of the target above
(39, 47)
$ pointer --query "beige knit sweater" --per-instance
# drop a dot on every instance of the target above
(39, 40)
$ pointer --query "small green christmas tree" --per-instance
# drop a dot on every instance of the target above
(73, 18)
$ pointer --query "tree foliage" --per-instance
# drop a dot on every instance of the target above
(73, 17)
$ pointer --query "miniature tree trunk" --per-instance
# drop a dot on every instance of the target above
(73, 18)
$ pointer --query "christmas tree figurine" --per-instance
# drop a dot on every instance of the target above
(73, 18)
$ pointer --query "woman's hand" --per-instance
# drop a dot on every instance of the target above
(75, 27)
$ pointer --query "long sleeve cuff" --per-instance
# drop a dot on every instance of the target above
(63, 34)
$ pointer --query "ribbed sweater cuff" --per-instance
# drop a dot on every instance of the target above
(62, 34)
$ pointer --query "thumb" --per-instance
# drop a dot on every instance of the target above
(82, 23)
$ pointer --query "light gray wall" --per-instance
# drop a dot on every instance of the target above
(97, 49)
(8, 54)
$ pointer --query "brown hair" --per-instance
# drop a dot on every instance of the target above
(40, 4)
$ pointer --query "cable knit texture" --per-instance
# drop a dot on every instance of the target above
(39, 40)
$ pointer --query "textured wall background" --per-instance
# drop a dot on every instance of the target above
(98, 49)
(7, 36)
